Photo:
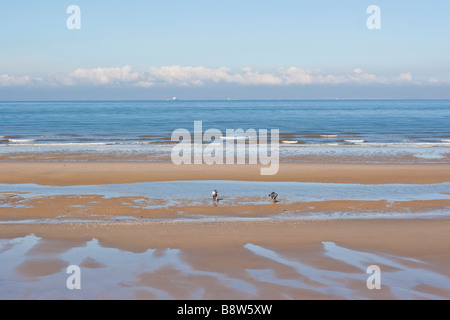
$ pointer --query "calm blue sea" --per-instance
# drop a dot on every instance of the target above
(64, 126)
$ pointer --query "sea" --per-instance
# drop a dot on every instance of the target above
(375, 129)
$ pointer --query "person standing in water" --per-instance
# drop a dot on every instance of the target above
(273, 196)
(215, 195)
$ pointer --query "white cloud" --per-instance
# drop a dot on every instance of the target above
(294, 75)
(184, 76)
(407, 76)
(12, 81)
(298, 76)
(103, 76)
(199, 76)
(250, 77)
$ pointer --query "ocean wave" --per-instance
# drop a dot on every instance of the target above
(234, 138)
(329, 136)
(364, 143)
(21, 140)
(140, 143)
(409, 144)
(64, 144)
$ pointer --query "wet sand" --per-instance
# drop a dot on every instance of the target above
(92, 173)
(235, 259)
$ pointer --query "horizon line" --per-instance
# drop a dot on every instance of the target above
(227, 99)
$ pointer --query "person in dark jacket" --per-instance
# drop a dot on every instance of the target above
(273, 196)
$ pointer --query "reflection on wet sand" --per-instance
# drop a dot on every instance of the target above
(399, 279)
(35, 268)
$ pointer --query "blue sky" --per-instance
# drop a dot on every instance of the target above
(218, 49)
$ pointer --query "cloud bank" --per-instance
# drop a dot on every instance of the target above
(185, 76)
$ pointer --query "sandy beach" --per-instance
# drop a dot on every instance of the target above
(89, 173)
(237, 250)
(189, 152)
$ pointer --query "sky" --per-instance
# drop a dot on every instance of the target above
(283, 49)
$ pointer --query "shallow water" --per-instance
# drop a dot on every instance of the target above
(173, 194)
(200, 190)
(401, 280)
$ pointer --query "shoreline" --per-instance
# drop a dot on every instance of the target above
(156, 156)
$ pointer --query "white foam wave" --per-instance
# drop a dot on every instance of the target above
(328, 136)
(409, 144)
(21, 140)
(66, 144)
(363, 143)
(234, 138)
